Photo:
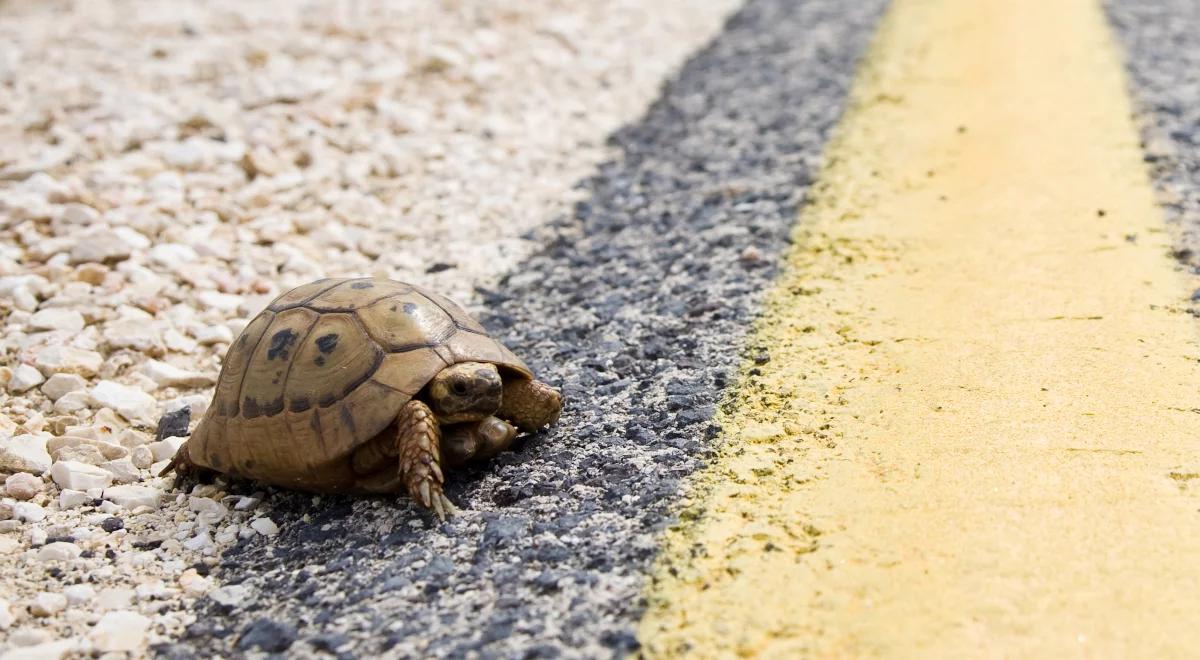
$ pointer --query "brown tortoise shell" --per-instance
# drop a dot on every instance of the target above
(325, 368)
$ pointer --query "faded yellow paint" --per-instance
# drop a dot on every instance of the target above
(978, 433)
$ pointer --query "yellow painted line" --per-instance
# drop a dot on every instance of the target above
(978, 433)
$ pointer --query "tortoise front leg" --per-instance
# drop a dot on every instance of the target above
(530, 404)
(475, 440)
(417, 446)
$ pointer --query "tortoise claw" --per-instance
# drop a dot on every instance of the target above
(429, 495)
(444, 507)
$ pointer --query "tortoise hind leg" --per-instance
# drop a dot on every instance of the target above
(417, 445)
(530, 404)
(183, 466)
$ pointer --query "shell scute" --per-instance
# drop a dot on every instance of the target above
(406, 322)
(461, 318)
(468, 346)
(350, 295)
(226, 400)
(302, 294)
(267, 373)
(335, 358)
(410, 371)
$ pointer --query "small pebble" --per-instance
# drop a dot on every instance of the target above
(24, 453)
(120, 631)
(24, 377)
(69, 499)
(230, 595)
(132, 496)
(141, 456)
(79, 594)
(59, 551)
(264, 526)
(79, 476)
(47, 604)
(6, 615)
(193, 584)
(28, 512)
(58, 385)
(23, 486)
(164, 450)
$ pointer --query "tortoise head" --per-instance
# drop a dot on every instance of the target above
(466, 392)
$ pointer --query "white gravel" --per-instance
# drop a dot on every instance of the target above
(166, 169)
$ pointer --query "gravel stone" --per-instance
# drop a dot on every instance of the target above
(24, 453)
(24, 377)
(40, 651)
(68, 359)
(79, 476)
(57, 318)
(23, 486)
(210, 510)
(59, 551)
(28, 512)
(123, 470)
(69, 499)
(210, 335)
(79, 594)
(121, 630)
(131, 497)
(102, 245)
(168, 375)
(47, 604)
(232, 596)
(267, 635)
(79, 453)
(164, 450)
(58, 385)
(194, 584)
(72, 402)
(141, 456)
(264, 526)
(174, 424)
(106, 451)
(136, 334)
(131, 403)
(118, 598)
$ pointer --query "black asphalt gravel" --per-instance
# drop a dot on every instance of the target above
(636, 307)
(1161, 40)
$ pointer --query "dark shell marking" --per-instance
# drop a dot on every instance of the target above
(326, 343)
(281, 343)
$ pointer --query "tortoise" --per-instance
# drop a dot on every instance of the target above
(364, 385)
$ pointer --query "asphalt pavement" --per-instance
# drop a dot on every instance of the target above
(1162, 55)
(637, 307)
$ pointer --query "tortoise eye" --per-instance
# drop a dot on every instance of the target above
(459, 387)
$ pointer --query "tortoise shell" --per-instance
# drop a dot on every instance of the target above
(324, 369)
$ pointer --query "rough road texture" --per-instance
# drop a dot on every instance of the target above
(635, 307)
(1162, 51)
